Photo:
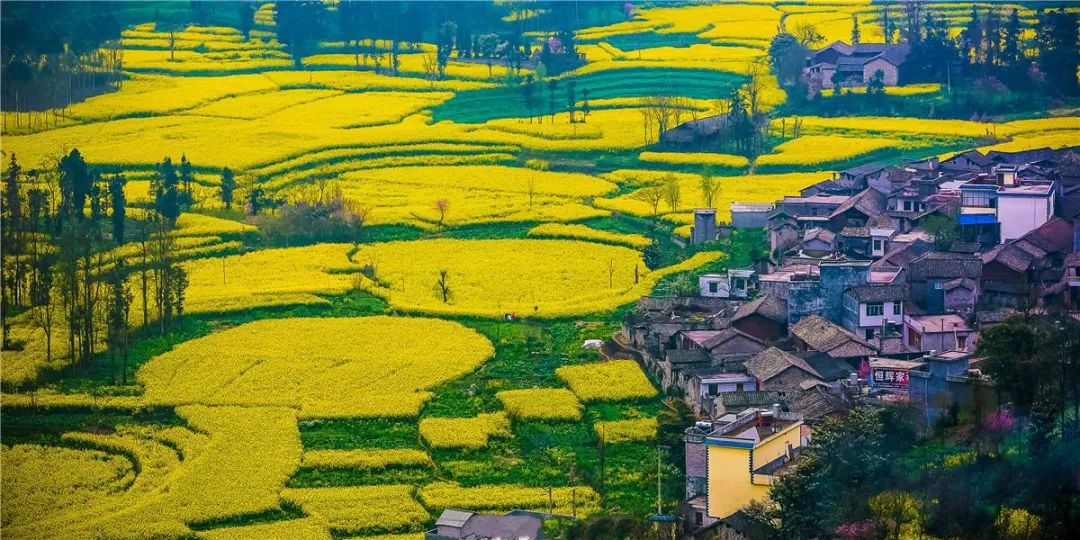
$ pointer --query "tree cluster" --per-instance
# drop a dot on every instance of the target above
(61, 225)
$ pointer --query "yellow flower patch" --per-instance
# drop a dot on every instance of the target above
(464, 432)
(541, 404)
(607, 381)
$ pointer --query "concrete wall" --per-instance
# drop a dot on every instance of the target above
(892, 75)
(1021, 215)
(805, 299)
(835, 279)
(731, 484)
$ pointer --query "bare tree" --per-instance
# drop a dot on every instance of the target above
(442, 206)
(431, 67)
(442, 286)
(652, 195)
(530, 186)
(710, 188)
(672, 191)
(755, 86)
(611, 273)
(808, 35)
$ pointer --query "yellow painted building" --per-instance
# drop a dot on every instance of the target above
(743, 459)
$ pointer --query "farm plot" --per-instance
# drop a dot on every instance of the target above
(607, 381)
(239, 469)
(490, 278)
(341, 373)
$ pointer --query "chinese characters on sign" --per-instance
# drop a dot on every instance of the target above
(890, 378)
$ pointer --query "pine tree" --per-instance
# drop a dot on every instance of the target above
(187, 177)
(118, 202)
(228, 186)
(855, 34)
(166, 195)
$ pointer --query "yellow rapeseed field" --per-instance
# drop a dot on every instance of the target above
(694, 158)
(356, 509)
(631, 430)
(579, 500)
(541, 278)
(541, 404)
(607, 381)
(584, 232)
(41, 480)
(464, 432)
(818, 150)
(240, 469)
(296, 529)
(352, 367)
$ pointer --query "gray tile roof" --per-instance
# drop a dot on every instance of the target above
(877, 293)
(767, 306)
(824, 336)
(773, 361)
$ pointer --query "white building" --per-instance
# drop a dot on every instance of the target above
(734, 284)
(868, 309)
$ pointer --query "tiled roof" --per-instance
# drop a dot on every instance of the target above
(824, 336)
(815, 404)
(941, 264)
(1053, 236)
(825, 235)
(767, 306)
(877, 293)
(855, 232)
(688, 356)
(869, 201)
(830, 369)
(772, 362)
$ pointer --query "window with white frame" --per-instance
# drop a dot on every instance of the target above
(875, 309)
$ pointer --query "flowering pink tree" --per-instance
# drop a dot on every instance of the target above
(857, 530)
(554, 45)
(997, 425)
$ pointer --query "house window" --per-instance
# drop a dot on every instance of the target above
(976, 199)
(714, 389)
(961, 343)
(714, 286)
(877, 245)
(897, 308)
(875, 309)
(738, 387)
(740, 284)
(699, 519)
(907, 206)
(869, 333)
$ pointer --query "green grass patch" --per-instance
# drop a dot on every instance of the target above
(478, 106)
(349, 434)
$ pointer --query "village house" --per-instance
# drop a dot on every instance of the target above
(870, 310)
(706, 384)
(781, 371)
(1016, 273)
(735, 283)
(942, 281)
(764, 318)
(462, 525)
(854, 65)
(946, 332)
(1003, 205)
(814, 333)
(750, 215)
(736, 459)
(719, 344)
